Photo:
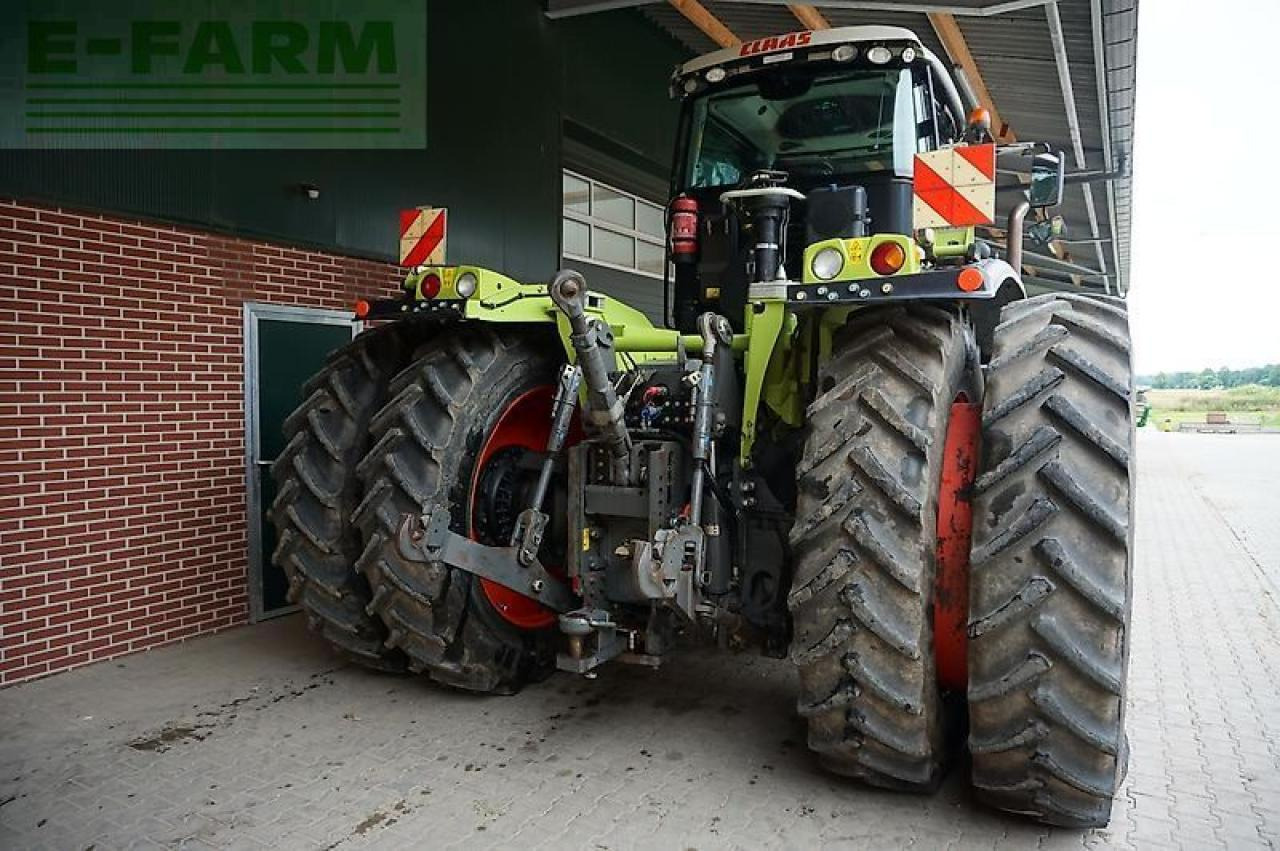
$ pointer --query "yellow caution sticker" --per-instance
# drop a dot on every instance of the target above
(586, 539)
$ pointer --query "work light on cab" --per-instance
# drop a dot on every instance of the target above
(879, 55)
(887, 258)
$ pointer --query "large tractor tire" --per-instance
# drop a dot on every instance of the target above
(1051, 589)
(458, 421)
(317, 489)
(864, 541)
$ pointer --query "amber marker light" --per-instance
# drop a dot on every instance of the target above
(969, 279)
(887, 258)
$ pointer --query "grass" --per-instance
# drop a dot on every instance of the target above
(1248, 404)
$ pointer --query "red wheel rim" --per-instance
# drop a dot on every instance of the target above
(955, 525)
(526, 424)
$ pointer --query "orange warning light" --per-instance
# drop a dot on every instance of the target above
(969, 279)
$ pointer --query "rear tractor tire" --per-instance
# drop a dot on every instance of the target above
(1051, 563)
(864, 540)
(456, 415)
(317, 489)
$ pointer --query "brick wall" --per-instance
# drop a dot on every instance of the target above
(122, 502)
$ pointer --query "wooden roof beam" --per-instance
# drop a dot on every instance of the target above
(944, 24)
(711, 26)
(809, 15)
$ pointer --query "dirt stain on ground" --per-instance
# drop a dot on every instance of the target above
(169, 735)
(370, 823)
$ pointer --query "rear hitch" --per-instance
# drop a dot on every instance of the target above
(531, 525)
(593, 640)
(592, 341)
(427, 538)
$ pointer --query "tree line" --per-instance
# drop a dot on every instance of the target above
(1213, 379)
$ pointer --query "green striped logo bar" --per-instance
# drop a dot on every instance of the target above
(148, 74)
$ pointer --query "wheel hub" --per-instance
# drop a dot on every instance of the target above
(502, 486)
(955, 527)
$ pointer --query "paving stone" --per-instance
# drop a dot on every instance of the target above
(258, 738)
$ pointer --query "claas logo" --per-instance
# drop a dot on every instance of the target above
(775, 42)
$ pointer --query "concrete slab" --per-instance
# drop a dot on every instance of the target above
(257, 737)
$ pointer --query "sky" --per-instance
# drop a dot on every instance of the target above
(1205, 275)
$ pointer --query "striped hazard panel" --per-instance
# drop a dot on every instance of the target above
(422, 236)
(955, 187)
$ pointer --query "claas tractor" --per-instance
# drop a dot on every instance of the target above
(855, 442)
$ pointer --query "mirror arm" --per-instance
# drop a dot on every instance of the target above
(1013, 236)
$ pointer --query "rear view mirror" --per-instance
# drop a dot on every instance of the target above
(1047, 173)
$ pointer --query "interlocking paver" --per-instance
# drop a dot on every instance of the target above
(255, 738)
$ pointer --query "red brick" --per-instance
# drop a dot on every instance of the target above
(121, 433)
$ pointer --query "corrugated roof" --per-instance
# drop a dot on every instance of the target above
(1014, 52)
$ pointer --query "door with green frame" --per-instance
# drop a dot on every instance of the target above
(284, 346)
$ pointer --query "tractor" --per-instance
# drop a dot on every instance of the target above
(855, 442)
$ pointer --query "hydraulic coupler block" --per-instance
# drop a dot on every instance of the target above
(592, 340)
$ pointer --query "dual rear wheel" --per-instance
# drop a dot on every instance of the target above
(1049, 598)
(405, 417)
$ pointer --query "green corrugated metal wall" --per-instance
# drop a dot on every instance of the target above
(502, 80)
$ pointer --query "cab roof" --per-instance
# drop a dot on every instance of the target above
(799, 39)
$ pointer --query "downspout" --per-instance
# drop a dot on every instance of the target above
(1104, 113)
(1073, 125)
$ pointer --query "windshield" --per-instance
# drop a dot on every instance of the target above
(843, 123)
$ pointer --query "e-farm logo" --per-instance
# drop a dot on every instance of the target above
(215, 74)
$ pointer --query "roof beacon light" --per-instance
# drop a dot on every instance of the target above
(980, 117)
(879, 55)
(908, 55)
(844, 53)
(715, 75)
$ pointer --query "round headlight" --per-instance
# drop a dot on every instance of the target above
(826, 264)
(879, 55)
(908, 54)
(465, 285)
(715, 75)
(844, 53)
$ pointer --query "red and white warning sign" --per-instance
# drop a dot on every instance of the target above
(955, 187)
(422, 236)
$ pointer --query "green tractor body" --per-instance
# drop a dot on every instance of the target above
(511, 478)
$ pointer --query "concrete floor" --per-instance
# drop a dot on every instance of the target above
(257, 738)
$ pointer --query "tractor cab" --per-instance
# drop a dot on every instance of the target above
(836, 117)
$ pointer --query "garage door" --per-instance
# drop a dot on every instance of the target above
(616, 239)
